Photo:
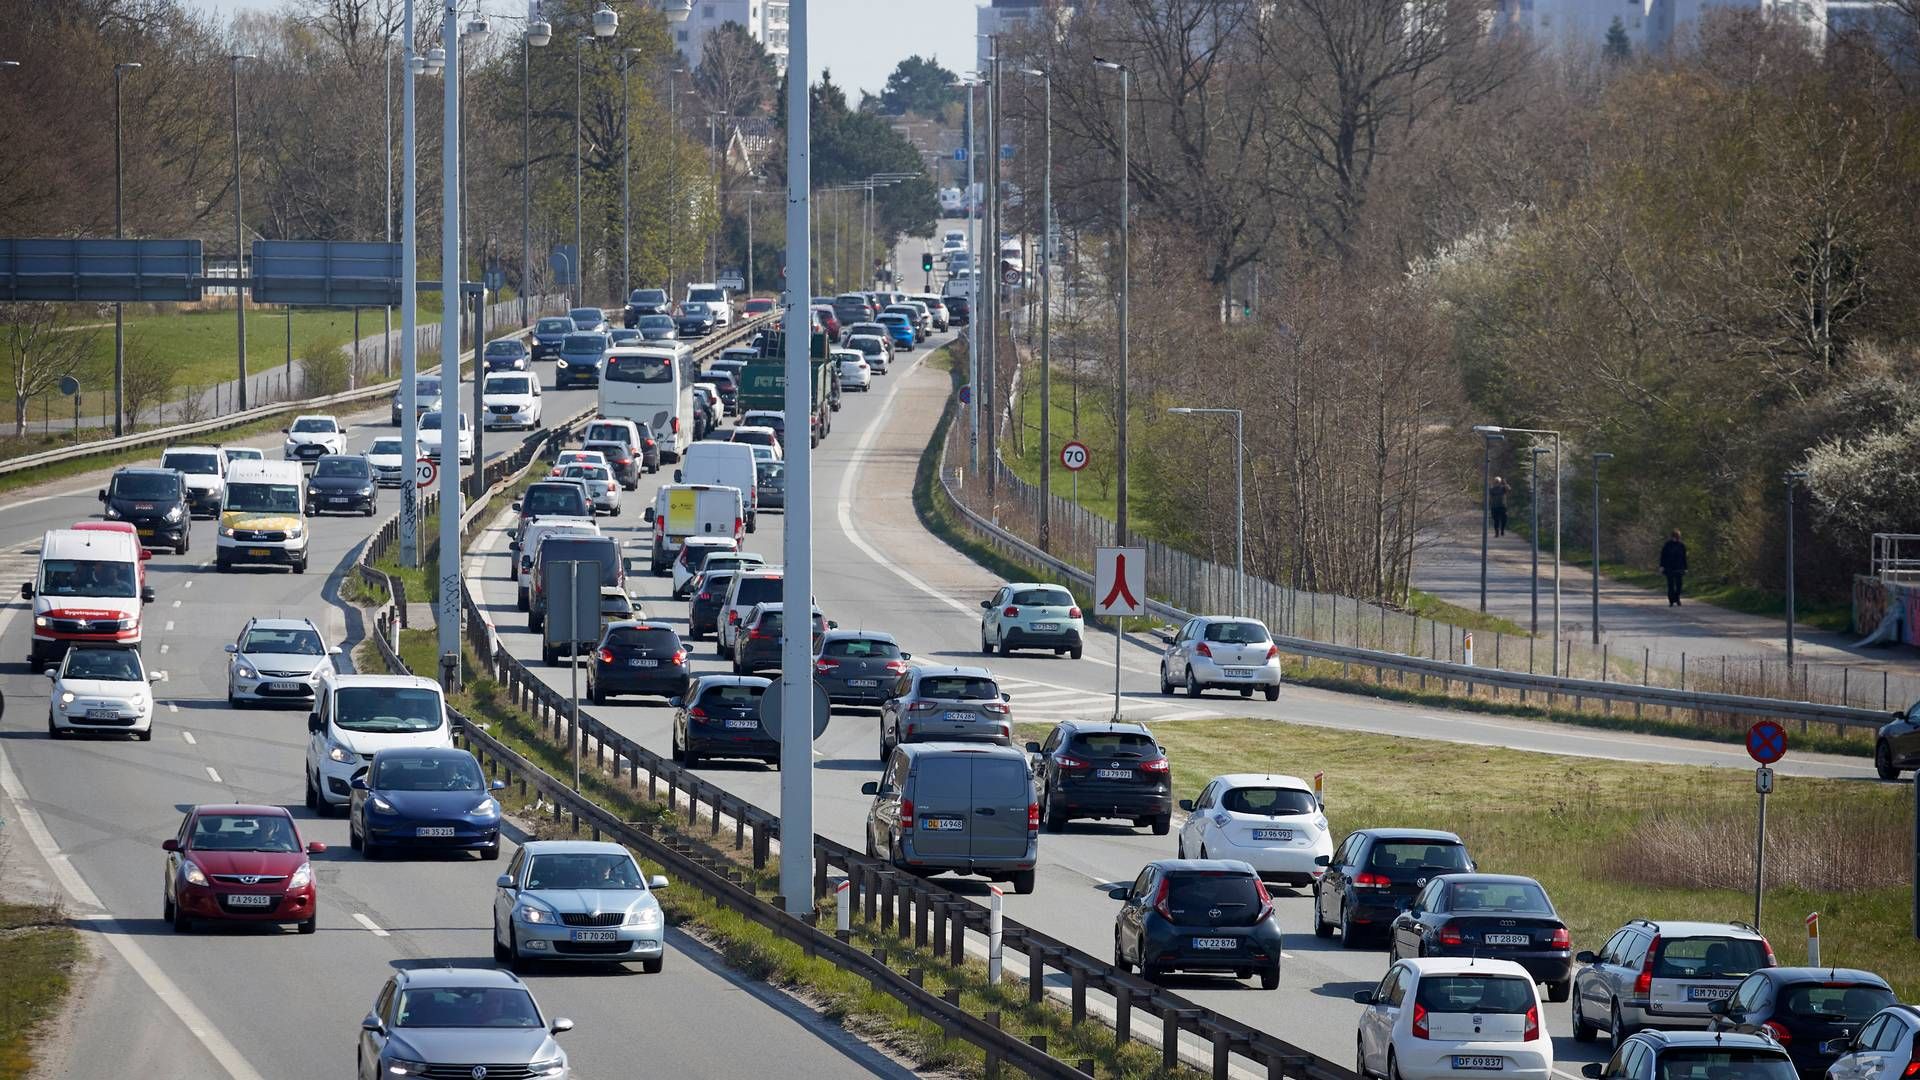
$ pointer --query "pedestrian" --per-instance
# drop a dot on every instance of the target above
(1497, 505)
(1673, 563)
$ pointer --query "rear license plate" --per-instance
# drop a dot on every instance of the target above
(742, 725)
(1239, 673)
(1463, 1061)
(867, 683)
(434, 830)
(250, 900)
(146, 532)
(287, 687)
(103, 714)
(595, 935)
(959, 716)
(1508, 939)
(942, 824)
(257, 552)
(1273, 834)
(1213, 943)
(1709, 993)
(642, 662)
(1113, 774)
(1045, 627)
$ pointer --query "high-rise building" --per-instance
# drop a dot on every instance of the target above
(690, 21)
(1653, 25)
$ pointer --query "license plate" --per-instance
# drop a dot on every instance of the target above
(103, 714)
(742, 725)
(1045, 627)
(863, 682)
(942, 824)
(286, 686)
(1273, 834)
(146, 532)
(1508, 939)
(959, 716)
(257, 552)
(595, 935)
(1709, 993)
(249, 900)
(1113, 774)
(434, 830)
(1239, 673)
(1214, 943)
(641, 662)
(1463, 1061)
(338, 500)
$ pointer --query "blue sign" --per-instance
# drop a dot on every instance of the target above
(1006, 151)
(328, 273)
(70, 269)
(1766, 742)
(960, 153)
(966, 394)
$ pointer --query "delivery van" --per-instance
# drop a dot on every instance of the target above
(86, 590)
(263, 520)
(723, 464)
(683, 510)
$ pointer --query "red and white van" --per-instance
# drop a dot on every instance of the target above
(86, 590)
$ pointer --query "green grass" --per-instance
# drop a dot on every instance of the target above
(1428, 606)
(1094, 429)
(38, 953)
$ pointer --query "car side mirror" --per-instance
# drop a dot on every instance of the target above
(986, 605)
(153, 676)
(1323, 860)
(169, 844)
(1033, 747)
(657, 881)
(145, 554)
(313, 722)
(497, 785)
(333, 650)
(373, 1023)
(831, 625)
(676, 477)
(284, 431)
(1585, 956)
(504, 881)
(1121, 892)
(51, 673)
(516, 506)
(147, 595)
(315, 847)
(1004, 696)
(1363, 997)
(26, 591)
(1593, 1070)
(871, 787)
(1187, 805)
(560, 1024)
(647, 516)
(906, 656)
(359, 783)
(103, 494)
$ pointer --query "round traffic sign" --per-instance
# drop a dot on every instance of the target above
(1766, 742)
(770, 710)
(1010, 276)
(1073, 456)
(425, 472)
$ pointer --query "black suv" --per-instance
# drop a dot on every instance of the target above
(638, 658)
(154, 502)
(1804, 1009)
(959, 310)
(1375, 874)
(645, 302)
(1210, 915)
(1089, 769)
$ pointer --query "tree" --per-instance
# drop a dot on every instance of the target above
(1618, 48)
(149, 380)
(41, 350)
(918, 85)
(737, 74)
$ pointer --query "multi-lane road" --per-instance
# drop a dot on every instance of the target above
(273, 1004)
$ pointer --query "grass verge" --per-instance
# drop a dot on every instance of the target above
(38, 952)
(1428, 606)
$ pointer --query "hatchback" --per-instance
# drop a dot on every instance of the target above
(759, 643)
(579, 360)
(1886, 1048)
(458, 1021)
(103, 690)
(1449, 1017)
(237, 863)
(1663, 975)
(770, 485)
(1700, 1055)
(277, 660)
(965, 808)
(1197, 915)
(588, 318)
(1031, 615)
(1213, 653)
(900, 330)
(1804, 1009)
(626, 466)
(706, 598)
(719, 717)
(873, 349)
(657, 328)
(945, 703)
(1488, 915)
(1374, 874)
(548, 335)
(1272, 822)
(1103, 770)
(635, 657)
(694, 553)
(342, 484)
(424, 797)
(859, 667)
(723, 385)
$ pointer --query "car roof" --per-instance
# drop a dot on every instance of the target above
(1488, 879)
(257, 623)
(428, 978)
(732, 680)
(1217, 866)
(1106, 725)
(1409, 834)
(1734, 1039)
(726, 542)
(145, 470)
(1250, 779)
(1465, 965)
(935, 671)
(634, 624)
(1683, 929)
(574, 847)
(945, 749)
(387, 682)
(1033, 585)
(243, 808)
(1821, 974)
(197, 448)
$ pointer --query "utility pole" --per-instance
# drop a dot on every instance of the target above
(448, 614)
(973, 295)
(1046, 309)
(409, 305)
(119, 309)
(1126, 239)
(991, 391)
(239, 244)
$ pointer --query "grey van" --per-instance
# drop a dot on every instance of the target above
(967, 808)
(556, 547)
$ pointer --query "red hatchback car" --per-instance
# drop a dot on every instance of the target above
(241, 864)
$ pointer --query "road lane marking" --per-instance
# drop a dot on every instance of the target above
(169, 624)
(176, 603)
(214, 775)
(164, 648)
(189, 584)
(371, 926)
(188, 735)
(171, 707)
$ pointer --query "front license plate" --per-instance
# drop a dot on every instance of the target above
(1045, 627)
(942, 824)
(103, 714)
(257, 552)
(1463, 1061)
(250, 900)
(742, 725)
(1709, 993)
(959, 716)
(1113, 774)
(338, 500)
(595, 935)
(642, 662)
(434, 830)
(1273, 834)
(1213, 943)
(1508, 939)
(286, 687)
(865, 683)
(146, 532)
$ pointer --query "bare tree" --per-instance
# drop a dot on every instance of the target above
(149, 380)
(737, 75)
(41, 350)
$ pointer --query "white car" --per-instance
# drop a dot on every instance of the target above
(716, 299)
(578, 457)
(431, 435)
(101, 688)
(312, 436)
(1454, 1017)
(853, 370)
(277, 660)
(205, 470)
(512, 400)
(694, 553)
(231, 454)
(391, 468)
(1273, 823)
(601, 485)
(872, 349)
(1222, 653)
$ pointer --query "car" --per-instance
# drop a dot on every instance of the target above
(1031, 615)
(580, 358)
(869, 329)
(577, 456)
(312, 436)
(548, 335)
(426, 391)
(852, 369)
(706, 598)
(1209, 916)
(1497, 916)
(431, 436)
(964, 808)
(936, 308)
(1699, 1055)
(829, 323)
(102, 689)
(714, 297)
(916, 314)
(657, 328)
(588, 319)
(391, 468)
(706, 410)
(744, 590)
(873, 350)
(851, 308)
(1448, 1017)
(724, 387)
(637, 657)
(550, 498)
(719, 717)
(1374, 874)
(630, 436)
(458, 1021)
(577, 900)
(205, 469)
(239, 863)
(757, 435)
(1664, 974)
(529, 544)
(622, 464)
(1222, 653)
(511, 400)
(771, 419)
(695, 320)
(424, 797)
(1103, 770)
(770, 484)
(1272, 822)
(694, 553)
(858, 667)
(600, 484)
(621, 335)
(758, 305)
(1884, 1048)
(507, 354)
(154, 502)
(945, 703)
(642, 303)
(277, 660)
(355, 717)
(959, 310)
(1807, 1010)
(1896, 746)
(900, 329)
(757, 645)
(231, 454)
(341, 483)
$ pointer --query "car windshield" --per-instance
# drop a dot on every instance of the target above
(959, 688)
(774, 422)
(1195, 897)
(1271, 801)
(513, 384)
(1715, 1063)
(1102, 743)
(584, 870)
(387, 709)
(1515, 897)
(620, 335)
(1043, 598)
(145, 486)
(1710, 958)
(243, 832)
(1417, 855)
(467, 1007)
(586, 314)
(292, 642)
(639, 369)
(437, 773)
(553, 326)
(554, 499)
(261, 498)
(315, 424)
(384, 448)
(1474, 994)
(1834, 1002)
(336, 465)
(199, 464)
(656, 322)
(107, 665)
(764, 452)
(86, 577)
(585, 343)
(714, 295)
(586, 472)
(432, 421)
(695, 309)
(862, 649)
(504, 348)
(1237, 633)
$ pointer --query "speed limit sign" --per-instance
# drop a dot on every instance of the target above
(1073, 456)
(425, 472)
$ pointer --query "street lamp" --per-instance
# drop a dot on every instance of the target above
(1046, 309)
(1791, 479)
(1533, 486)
(626, 176)
(239, 249)
(1120, 505)
(1490, 435)
(536, 36)
(119, 309)
(1239, 499)
(1598, 457)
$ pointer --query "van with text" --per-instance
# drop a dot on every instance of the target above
(86, 591)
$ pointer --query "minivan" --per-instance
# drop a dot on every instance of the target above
(966, 808)
(154, 501)
(357, 716)
(264, 518)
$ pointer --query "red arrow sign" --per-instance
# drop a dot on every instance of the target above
(1120, 581)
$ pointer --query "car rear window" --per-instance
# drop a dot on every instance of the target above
(862, 649)
(1117, 742)
(1417, 854)
(1193, 897)
(1043, 598)
(1272, 801)
(758, 590)
(1711, 1063)
(1237, 633)
(1513, 896)
(944, 782)
(960, 688)
(642, 637)
(1834, 1002)
(716, 696)
(1474, 994)
(1709, 958)
(563, 499)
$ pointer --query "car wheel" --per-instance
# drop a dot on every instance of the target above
(1119, 958)
(985, 649)
(515, 962)
(166, 907)
(520, 600)
(1270, 978)
(595, 695)
(1560, 991)
(182, 922)
(353, 833)
(1056, 815)
(313, 793)
(1163, 824)
(1883, 761)
(143, 736)
(1321, 927)
(1347, 931)
(678, 755)
(1618, 1030)
(1273, 693)
(1360, 1059)
(1077, 651)
(309, 924)
(1005, 648)
(1166, 687)
(1393, 1067)
(652, 967)
(186, 541)
(1022, 882)
(1193, 685)
(1582, 1031)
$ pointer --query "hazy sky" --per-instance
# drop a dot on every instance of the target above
(859, 41)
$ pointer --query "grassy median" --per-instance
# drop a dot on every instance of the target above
(38, 952)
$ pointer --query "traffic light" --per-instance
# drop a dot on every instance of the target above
(926, 261)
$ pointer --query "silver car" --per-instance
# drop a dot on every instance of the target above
(458, 1021)
(949, 703)
(577, 900)
(277, 660)
(1216, 653)
(1663, 975)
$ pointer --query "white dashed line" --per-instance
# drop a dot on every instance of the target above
(169, 624)
(372, 927)
(188, 585)
(176, 603)
(171, 707)
(214, 775)
(188, 735)
(164, 648)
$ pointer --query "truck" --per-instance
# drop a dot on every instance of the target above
(763, 385)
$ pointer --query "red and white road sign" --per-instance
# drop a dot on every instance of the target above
(425, 472)
(1073, 456)
(1120, 581)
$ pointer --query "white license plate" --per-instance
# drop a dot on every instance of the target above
(1214, 943)
(959, 716)
(1508, 939)
(863, 682)
(1239, 673)
(434, 830)
(942, 824)
(742, 725)
(642, 662)
(249, 900)
(1709, 993)
(103, 714)
(1045, 627)
(338, 500)
(287, 687)
(1273, 834)
(1113, 774)
(1463, 1061)
(595, 935)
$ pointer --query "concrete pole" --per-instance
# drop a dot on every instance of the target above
(1533, 506)
(239, 245)
(796, 651)
(973, 300)
(526, 179)
(626, 180)
(1556, 553)
(1126, 238)
(1486, 512)
(1046, 323)
(1597, 459)
(990, 390)
(409, 307)
(448, 609)
(386, 316)
(579, 244)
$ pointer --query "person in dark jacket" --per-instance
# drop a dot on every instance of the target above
(1497, 505)
(1673, 563)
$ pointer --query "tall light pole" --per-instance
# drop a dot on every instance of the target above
(796, 651)
(579, 169)
(1791, 479)
(1126, 226)
(536, 35)
(989, 392)
(674, 203)
(1239, 499)
(1598, 457)
(1490, 428)
(1046, 310)
(1491, 436)
(239, 245)
(451, 296)
(119, 309)
(974, 350)
(626, 176)
(409, 296)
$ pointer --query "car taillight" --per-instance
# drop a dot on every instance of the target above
(922, 706)
(679, 657)
(1202, 650)
(1160, 899)
(674, 425)
(825, 666)
(1561, 939)
(706, 596)
(1533, 1024)
(997, 707)
(1370, 880)
(733, 616)
(757, 634)
(737, 522)
(896, 667)
(906, 813)
(1913, 1060)
(697, 714)
(648, 444)
(1033, 818)
(1779, 1032)
(1157, 765)
(605, 655)
(1273, 652)
(1073, 613)
(1451, 936)
(1069, 762)
(1643, 984)
(1266, 901)
(1420, 1021)
(1767, 945)
(1011, 612)
(622, 461)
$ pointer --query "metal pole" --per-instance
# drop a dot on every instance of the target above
(1533, 504)
(579, 244)
(239, 250)
(750, 195)
(409, 307)
(573, 669)
(796, 650)
(119, 309)
(1556, 553)
(386, 317)
(1046, 328)
(990, 236)
(1486, 512)
(1597, 459)
(449, 586)
(1791, 477)
(1759, 858)
(479, 399)
(526, 178)
(626, 181)
(1126, 239)
(1240, 514)
(973, 300)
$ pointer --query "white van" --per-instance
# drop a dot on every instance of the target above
(529, 543)
(706, 292)
(262, 522)
(723, 464)
(355, 717)
(86, 591)
(683, 510)
(652, 384)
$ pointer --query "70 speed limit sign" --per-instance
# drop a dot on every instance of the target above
(1073, 456)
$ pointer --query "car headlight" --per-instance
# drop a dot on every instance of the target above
(192, 873)
(380, 804)
(529, 913)
(404, 1067)
(226, 531)
(368, 490)
(339, 753)
(647, 918)
(173, 513)
(561, 363)
(296, 532)
(546, 1067)
(302, 877)
(66, 698)
(40, 621)
(486, 808)
(112, 514)
(243, 671)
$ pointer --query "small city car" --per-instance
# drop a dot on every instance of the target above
(1212, 653)
(1031, 615)
(424, 798)
(1272, 822)
(1454, 1017)
(238, 863)
(459, 1022)
(719, 717)
(1197, 915)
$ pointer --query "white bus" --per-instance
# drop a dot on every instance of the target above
(652, 384)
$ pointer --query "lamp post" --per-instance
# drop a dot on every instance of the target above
(579, 170)
(674, 204)
(1533, 488)
(386, 310)
(1239, 499)
(1489, 436)
(536, 35)
(239, 250)
(973, 294)
(1791, 479)
(1120, 421)
(1598, 457)
(451, 295)
(409, 294)
(1046, 309)
(119, 309)
(626, 175)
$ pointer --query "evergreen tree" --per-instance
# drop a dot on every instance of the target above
(1618, 47)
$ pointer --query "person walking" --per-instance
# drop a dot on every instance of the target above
(1673, 563)
(1497, 505)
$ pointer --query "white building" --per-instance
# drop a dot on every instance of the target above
(1005, 16)
(1652, 25)
(690, 21)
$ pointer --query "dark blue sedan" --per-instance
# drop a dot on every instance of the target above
(424, 797)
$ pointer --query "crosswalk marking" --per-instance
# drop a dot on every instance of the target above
(1053, 701)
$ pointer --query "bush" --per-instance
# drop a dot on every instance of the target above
(323, 367)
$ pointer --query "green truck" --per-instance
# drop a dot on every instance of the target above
(763, 385)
